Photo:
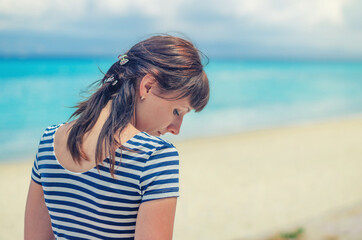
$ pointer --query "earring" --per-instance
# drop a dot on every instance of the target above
(142, 98)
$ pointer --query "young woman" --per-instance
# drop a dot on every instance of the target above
(107, 174)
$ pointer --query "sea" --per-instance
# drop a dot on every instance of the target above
(246, 95)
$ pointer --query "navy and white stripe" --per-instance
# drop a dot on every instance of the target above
(93, 205)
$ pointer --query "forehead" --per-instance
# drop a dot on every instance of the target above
(179, 102)
(184, 102)
(173, 97)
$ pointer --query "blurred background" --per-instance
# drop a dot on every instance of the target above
(271, 64)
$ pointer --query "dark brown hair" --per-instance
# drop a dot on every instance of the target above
(175, 64)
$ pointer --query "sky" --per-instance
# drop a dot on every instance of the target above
(315, 29)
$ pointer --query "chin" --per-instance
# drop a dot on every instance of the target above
(155, 133)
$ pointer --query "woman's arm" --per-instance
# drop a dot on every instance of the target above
(37, 219)
(155, 219)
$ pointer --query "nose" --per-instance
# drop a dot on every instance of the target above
(175, 126)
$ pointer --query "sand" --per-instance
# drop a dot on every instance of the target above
(14, 183)
(249, 185)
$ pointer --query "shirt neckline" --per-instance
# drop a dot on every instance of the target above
(95, 167)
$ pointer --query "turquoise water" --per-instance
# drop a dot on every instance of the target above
(245, 95)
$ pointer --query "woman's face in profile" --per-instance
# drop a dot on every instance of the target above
(157, 116)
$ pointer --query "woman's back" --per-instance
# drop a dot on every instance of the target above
(93, 204)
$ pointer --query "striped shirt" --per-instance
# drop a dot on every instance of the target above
(93, 204)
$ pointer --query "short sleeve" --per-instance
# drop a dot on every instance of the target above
(160, 175)
(35, 175)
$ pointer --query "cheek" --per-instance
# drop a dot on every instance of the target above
(154, 114)
(150, 116)
(161, 120)
(161, 117)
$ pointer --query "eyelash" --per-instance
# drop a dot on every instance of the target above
(175, 112)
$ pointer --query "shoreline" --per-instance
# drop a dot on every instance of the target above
(246, 185)
(264, 128)
(176, 139)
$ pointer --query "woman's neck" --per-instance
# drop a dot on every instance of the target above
(90, 139)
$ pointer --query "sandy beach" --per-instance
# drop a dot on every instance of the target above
(250, 185)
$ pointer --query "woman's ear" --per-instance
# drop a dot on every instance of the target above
(147, 83)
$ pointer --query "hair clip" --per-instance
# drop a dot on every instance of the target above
(123, 59)
(111, 80)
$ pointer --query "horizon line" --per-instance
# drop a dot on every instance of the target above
(211, 56)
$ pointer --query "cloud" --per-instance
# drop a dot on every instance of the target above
(277, 13)
(283, 12)
(24, 14)
(231, 27)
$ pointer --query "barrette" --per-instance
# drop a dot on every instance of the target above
(123, 59)
(111, 80)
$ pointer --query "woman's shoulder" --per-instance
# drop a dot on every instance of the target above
(50, 130)
(150, 144)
